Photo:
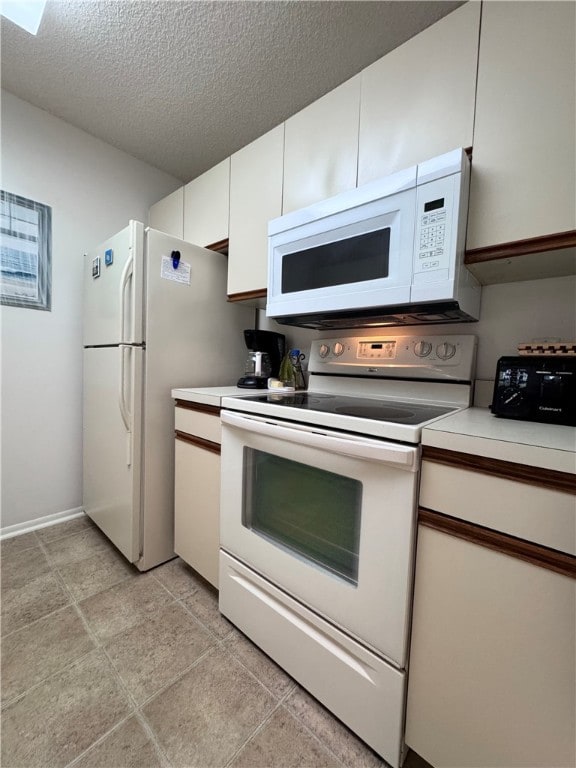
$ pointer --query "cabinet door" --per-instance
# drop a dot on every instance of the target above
(321, 148)
(255, 198)
(418, 100)
(523, 182)
(206, 206)
(167, 215)
(492, 662)
(197, 508)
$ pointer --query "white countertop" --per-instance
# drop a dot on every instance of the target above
(212, 395)
(477, 431)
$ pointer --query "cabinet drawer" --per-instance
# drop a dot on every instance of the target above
(365, 692)
(536, 514)
(198, 423)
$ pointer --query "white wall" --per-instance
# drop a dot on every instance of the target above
(93, 190)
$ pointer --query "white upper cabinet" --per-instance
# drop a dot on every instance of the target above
(167, 214)
(206, 206)
(321, 148)
(523, 180)
(255, 198)
(418, 100)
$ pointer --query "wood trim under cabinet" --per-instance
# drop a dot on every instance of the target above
(214, 410)
(554, 242)
(535, 554)
(199, 442)
(543, 478)
(261, 293)
(221, 246)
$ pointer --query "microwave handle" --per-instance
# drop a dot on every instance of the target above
(402, 456)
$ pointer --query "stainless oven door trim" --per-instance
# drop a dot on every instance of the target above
(402, 457)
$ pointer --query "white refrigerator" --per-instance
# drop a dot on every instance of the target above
(155, 317)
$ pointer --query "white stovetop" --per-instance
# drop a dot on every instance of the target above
(478, 431)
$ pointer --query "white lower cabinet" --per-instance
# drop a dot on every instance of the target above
(197, 491)
(492, 669)
(492, 675)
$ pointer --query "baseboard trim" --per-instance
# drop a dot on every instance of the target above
(41, 522)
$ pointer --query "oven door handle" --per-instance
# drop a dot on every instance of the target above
(402, 456)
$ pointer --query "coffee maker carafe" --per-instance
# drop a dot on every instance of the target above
(266, 353)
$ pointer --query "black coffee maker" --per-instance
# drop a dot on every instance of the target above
(266, 352)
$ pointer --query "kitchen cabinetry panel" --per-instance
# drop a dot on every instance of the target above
(523, 182)
(197, 491)
(206, 206)
(205, 425)
(418, 100)
(167, 214)
(255, 197)
(492, 664)
(526, 511)
(321, 148)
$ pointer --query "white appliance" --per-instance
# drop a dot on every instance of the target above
(387, 253)
(155, 317)
(318, 518)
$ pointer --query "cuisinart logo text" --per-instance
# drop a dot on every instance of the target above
(549, 408)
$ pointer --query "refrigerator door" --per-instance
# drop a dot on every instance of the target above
(112, 443)
(193, 338)
(113, 289)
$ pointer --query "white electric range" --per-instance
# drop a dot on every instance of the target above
(318, 517)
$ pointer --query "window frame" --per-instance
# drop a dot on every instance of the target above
(37, 243)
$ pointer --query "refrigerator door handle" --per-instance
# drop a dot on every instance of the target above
(127, 273)
(124, 410)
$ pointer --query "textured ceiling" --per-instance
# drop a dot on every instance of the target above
(181, 84)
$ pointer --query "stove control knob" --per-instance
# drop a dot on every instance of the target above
(324, 350)
(338, 349)
(445, 350)
(422, 348)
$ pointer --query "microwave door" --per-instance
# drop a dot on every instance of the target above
(350, 260)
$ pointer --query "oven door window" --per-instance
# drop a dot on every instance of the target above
(353, 260)
(309, 511)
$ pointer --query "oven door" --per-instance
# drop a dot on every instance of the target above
(327, 517)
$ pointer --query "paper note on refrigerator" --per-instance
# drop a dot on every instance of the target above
(179, 275)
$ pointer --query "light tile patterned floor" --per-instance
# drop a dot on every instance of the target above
(104, 667)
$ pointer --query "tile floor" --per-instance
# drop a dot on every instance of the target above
(104, 667)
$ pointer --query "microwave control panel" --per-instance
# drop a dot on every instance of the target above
(436, 216)
(432, 233)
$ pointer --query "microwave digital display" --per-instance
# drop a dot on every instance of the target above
(353, 260)
(433, 205)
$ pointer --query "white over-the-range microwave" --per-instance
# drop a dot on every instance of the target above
(387, 253)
